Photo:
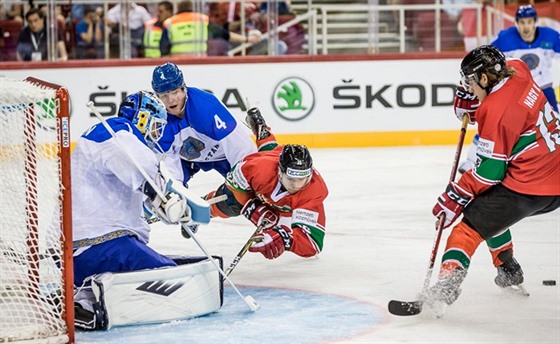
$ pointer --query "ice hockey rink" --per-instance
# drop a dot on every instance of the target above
(379, 237)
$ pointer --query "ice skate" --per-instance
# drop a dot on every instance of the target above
(89, 320)
(256, 122)
(509, 274)
(510, 277)
(444, 293)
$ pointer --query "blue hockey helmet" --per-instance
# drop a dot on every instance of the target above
(526, 11)
(167, 77)
(146, 112)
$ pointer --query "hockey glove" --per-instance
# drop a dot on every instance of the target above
(174, 208)
(465, 103)
(451, 203)
(273, 243)
(257, 212)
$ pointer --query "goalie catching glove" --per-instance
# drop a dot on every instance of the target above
(174, 208)
(465, 103)
(451, 203)
(272, 242)
(257, 212)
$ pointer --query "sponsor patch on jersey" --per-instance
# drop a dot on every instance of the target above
(305, 216)
(237, 179)
(485, 148)
(290, 172)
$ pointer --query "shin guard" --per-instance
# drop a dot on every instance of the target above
(461, 245)
(501, 247)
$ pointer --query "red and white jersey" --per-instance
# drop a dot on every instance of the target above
(519, 142)
(257, 175)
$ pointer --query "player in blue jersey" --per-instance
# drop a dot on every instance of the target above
(201, 133)
(537, 46)
(108, 194)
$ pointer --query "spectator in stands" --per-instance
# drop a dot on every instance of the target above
(32, 42)
(153, 29)
(12, 12)
(228, 14)
(225, 26)
(290, 41)
(185, 33)
(78, 10)
(137, 16)
(89, 35)
(9, 32)
(220, 39)
(57, 12)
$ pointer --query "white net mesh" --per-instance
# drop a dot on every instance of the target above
(31, 278)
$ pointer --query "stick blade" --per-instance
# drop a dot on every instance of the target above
(405, 308)
(253, 305)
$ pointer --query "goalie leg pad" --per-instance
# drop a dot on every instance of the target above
(159, 295)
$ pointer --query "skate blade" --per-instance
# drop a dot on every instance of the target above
(516, 290)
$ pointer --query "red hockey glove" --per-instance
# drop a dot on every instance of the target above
(257, 212)
(451, 203)
(465, 103)
(273, 242)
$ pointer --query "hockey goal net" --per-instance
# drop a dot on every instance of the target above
(36, 300)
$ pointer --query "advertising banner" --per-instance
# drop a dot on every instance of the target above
(337, 103)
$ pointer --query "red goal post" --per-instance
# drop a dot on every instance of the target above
(36, 280)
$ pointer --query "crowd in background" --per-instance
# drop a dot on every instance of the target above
(156, 29)
(159, 29)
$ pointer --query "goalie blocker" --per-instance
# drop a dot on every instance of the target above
(191, 289)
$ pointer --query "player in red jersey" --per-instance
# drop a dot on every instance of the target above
(517, 173)
(278, 185)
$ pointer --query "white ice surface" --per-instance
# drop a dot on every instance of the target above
(379, 236)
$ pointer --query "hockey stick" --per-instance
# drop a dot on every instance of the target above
(441, 218)
(415, 307)
(253, 305)
(246, 247)
(249, 300)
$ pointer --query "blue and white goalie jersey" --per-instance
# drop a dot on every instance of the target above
(106, 185)
(537, 55)
(207, 135)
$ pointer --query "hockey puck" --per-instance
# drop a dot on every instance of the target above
(549, 282)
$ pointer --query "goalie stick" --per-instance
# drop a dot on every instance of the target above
(404, 308)
(249, 300)
(251, 303)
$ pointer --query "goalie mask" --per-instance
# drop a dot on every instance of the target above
(147, 113)
(295, 167)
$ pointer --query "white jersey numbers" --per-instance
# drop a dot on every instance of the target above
(219, 123)
(549, 127)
